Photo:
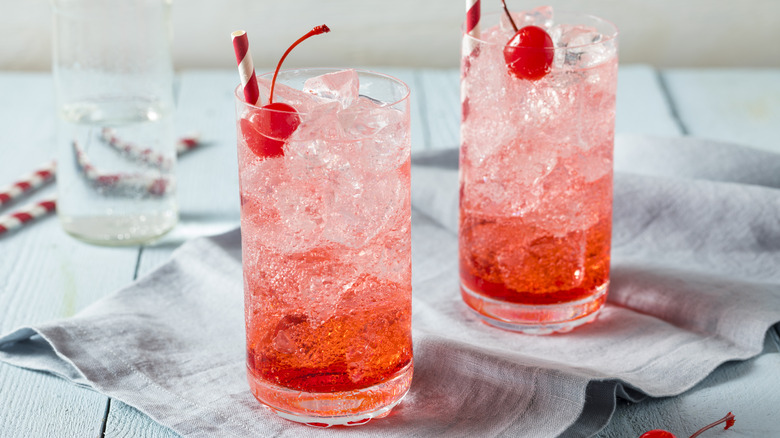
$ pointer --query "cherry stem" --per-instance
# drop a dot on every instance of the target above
(316, 31)
(728, 419)
(514, 26)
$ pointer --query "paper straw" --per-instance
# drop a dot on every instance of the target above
(27, 183)
(187, 143)
(118, 183)
(26, 214)
(246, 70)
(144, 155)
(147, 155)
(473, 15)
(46, 174)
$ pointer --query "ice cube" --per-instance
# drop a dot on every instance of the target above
(302, 102)
(580, 46)
(323, 292)
(541, 16)
(378, 133)
(363, 118)
(386, 257)
(341, 86)
(572, 35)
(361, 207)
(320, 121)
(299, 205)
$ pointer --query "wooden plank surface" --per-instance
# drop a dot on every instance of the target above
(440, 94)
(642, 104)
(44, 274)
(741, 106)
(38, 405)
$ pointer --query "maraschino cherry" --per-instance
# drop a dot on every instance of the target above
(659, 433)
(266, 131)
(529, 53)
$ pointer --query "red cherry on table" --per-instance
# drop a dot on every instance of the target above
(529, 54)
(266, 130)
(657, 433)
(729, 419)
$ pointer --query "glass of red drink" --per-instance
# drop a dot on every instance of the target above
(325, 229)
(536, 170)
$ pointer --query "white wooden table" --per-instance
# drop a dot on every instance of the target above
(44, 274)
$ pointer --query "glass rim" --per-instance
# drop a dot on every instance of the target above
(405, 87)
(607, 37)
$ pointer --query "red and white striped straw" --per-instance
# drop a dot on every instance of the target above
(147, 155)
(26, 214)
(473, 15)
(119, 183)
(187, 143)
(46, 173)
(144, 155)
(28, 182)
(246, 70)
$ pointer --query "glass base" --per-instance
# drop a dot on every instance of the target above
(536, 319)
(344, 408)
(125, 230)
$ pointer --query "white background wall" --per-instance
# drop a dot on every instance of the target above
(664, 33)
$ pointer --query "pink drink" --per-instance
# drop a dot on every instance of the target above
(536, 176)
(327, 249)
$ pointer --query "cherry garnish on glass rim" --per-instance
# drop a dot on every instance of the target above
(266, 131)
(529, 53)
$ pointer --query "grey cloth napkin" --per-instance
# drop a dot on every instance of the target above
(695, 283)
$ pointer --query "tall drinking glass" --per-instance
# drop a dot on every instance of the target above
(325, 229)
(536, 174)
(116, 156)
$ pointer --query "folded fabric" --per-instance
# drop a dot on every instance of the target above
(696, 245)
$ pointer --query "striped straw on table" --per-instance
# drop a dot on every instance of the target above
(26, 214)
(28, 182)
(46, 174)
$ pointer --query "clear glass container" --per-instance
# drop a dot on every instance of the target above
(116, 153)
